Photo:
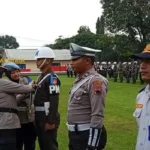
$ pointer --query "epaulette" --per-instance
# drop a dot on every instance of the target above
(53, 79)
(142, 89)
(28, 78)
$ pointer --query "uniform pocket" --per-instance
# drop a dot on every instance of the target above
(137, 112)
(80, 94)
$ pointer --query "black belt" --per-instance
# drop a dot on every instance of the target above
(9, 110)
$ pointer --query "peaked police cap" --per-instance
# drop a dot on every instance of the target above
(77, 51)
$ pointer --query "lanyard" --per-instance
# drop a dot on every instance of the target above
(79, 84)
(41, 82)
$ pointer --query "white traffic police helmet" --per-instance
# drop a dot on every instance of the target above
(103, 63)
(44, 52)
(135, 62)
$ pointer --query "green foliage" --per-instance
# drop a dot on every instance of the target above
(85, 39)
(84, 29)
(131, 17)
(114, 47)
(105, 43)
(100, 25)
(8, 42)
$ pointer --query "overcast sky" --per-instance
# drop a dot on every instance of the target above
(38, 22)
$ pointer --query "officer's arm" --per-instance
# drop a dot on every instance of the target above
(54, 101)
(12, 87)
(97, 92)
(21, 97)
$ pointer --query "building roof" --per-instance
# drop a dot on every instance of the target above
(28, 54)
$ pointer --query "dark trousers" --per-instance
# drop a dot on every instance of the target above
(8, 139)
(26, 136)
(47, 139)
(68, 73)
(79, 140)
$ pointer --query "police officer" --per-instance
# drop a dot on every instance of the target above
(109, 70)
(86, 103)
(69, 71)
(46, 101)
(115, 71)
(9, 120)
(142, 111)
(128, 72)
(120, 71)
(26, 135)
(134, 71)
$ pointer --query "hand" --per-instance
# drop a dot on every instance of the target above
(31, 83)
(49, 126)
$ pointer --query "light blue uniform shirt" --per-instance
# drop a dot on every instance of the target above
(142, 114)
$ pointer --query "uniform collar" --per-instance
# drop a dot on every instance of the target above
(147, 89)
(89, 72)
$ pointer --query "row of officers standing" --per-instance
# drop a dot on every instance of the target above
(121, 71)
(29, 110)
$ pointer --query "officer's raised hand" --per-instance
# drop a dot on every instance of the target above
(31, 84)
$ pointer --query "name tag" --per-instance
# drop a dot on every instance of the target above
(139, 105)
(54, 88)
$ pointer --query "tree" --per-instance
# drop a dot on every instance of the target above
(60, 43)
(1, 54)
(100, 25)
(131, 17)
(85, 39)
(8, 42)
(84, 29)
(106, 44)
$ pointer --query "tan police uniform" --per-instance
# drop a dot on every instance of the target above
(9, 120)
(86, 107)
(26, 135)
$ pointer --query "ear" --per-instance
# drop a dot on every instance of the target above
(88, 60)
(48, 61)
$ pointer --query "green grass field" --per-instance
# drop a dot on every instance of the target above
(120, 124)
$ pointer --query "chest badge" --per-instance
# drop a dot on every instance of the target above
(139, 105)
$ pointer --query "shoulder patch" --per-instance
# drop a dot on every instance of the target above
(142, 90)
(26, 79)
(97, 82)
(97, 86)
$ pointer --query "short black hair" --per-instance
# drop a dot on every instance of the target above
(92, 59)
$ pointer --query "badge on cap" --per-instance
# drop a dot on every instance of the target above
(37, 53)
